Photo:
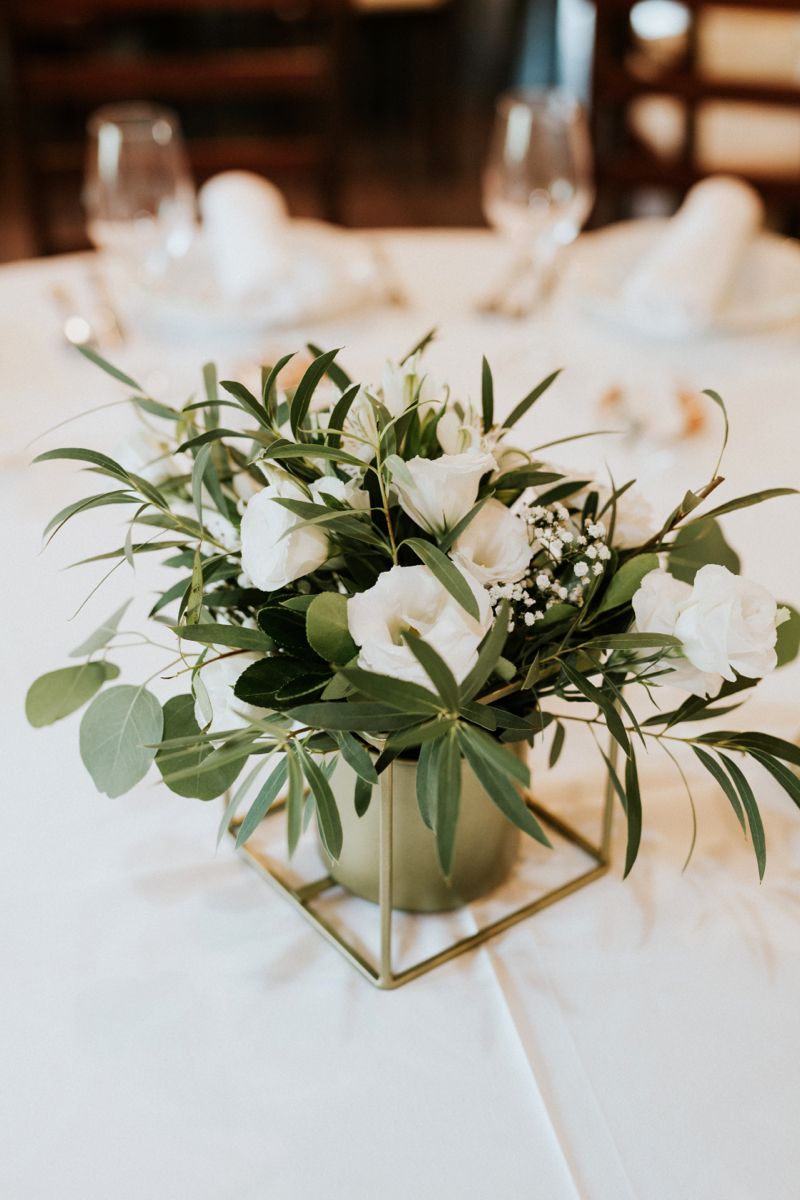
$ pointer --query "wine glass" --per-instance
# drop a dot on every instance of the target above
(537, 182)
(138, 194)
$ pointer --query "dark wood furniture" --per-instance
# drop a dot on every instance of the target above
(623, 162)
(257, 83)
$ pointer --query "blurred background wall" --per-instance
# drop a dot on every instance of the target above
(377, 112)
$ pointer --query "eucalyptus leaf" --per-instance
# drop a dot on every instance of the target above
(59, 693)
(327, 629)
(627, 580)
(101, 636)
(180, 721)
(118, 737)
(697, 544)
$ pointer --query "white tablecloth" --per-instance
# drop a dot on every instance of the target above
(170, 1029)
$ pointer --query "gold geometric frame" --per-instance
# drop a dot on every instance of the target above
(382, 973)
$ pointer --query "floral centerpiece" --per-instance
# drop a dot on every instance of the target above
(371, 573)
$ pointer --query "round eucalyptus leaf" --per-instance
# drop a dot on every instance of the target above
(327, 629)
(192, 777)
(59, 693)
(118, 734)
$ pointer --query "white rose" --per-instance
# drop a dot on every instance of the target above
(271, 556)
(411, 598)
(494, 548)
(349, 493)
(442, 490)
(729, 625)
(218, 677)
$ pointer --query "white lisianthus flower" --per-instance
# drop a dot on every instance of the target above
(494, 548)
(411, 598)
(726, 625)
(456, 434)
(274, 552)
(219, 677)
(349, 493)
(729, 625)
(360, 430)
(442, 490)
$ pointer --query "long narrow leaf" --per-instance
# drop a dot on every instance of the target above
(448, 575)
(748, 800)
(265, 798)
(529, 400)
(499, 787)
(435, 668)
(304, 392)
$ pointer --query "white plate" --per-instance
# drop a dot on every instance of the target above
(765, 293)
(328, 271)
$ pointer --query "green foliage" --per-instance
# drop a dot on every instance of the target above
(487, 396)
(327, 630)
(118, 737)
(626, 581)
(328, 820)
(186, 771)
(529, 400)
(448, 575)
(101, 636)
(224, 635)
(317, 703)
(55, 695)
(787, 646)
(263, 801)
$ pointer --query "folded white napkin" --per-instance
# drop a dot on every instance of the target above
(684, 279)
(245, 225)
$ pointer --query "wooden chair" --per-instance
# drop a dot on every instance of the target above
(257, 84)
(624, 163)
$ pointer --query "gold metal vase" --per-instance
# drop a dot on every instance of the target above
(485, 847)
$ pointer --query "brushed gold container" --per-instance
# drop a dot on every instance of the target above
(485, 847)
